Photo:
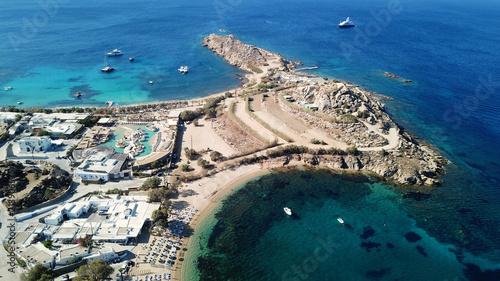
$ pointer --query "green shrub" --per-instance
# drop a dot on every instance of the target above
(189, 115)
(202, 163)
(152, 182)
(352, 150)
(215, 156)
(254, 68)
(47, 244)
(363, 114)
(190, 153)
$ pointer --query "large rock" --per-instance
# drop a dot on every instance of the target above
(238, 53)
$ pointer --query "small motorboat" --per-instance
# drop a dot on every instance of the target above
(150, 82)
(19, 102)
(340, 220)
(183, 69)
(78, 94)
(287, 211)
(8, 88)
(131, 59)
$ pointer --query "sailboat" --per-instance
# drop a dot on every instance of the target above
(107, 67)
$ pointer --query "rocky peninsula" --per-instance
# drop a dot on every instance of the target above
(342, 126)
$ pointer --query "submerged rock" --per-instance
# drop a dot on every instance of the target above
(367, 233)
(412, 237)
(422, 251)
(368, 246)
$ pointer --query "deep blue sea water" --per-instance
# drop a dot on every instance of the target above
(449, 49)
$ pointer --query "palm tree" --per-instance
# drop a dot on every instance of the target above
(121, 272)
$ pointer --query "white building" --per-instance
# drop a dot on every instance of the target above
(66, 129)
(125, 218)
(37, 253)
(71, 254)
(96, 167)
(34, 144)
(68, 211)
(54, 218)
(105, 253)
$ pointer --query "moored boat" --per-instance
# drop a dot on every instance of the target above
(346, 23)
(107, 67)
(340, 220)
(8, 88)
(114, 53)
(288, 211)
(131, 59)
(184, 69)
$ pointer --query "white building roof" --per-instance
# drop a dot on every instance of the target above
(103, 120)
(174, 114)
(63, 128)
(35, 253)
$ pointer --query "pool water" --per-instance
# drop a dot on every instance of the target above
(120, 131)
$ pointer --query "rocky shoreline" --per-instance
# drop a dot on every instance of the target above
(347, 113)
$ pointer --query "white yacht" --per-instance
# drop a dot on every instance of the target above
(114, 53)
(287, 211)
(340, 220)
(19, 102)
(183, 69)
(346, 23)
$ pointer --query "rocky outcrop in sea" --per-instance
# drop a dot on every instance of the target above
(348, 113)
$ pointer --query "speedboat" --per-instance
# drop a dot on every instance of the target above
(346, 23)
(287, 211)
(19, 102)
(183, 69)
(131, 59)
(78, 94)
(8, 88)
(340, 220)
(114, 53)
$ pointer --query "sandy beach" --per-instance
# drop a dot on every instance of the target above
(208, 194)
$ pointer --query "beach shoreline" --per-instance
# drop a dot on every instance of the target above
(234, 179)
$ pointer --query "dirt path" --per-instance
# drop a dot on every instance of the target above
(240, 112)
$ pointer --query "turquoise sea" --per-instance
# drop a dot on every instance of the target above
(449, 49)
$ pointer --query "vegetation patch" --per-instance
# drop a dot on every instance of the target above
(253, 68)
